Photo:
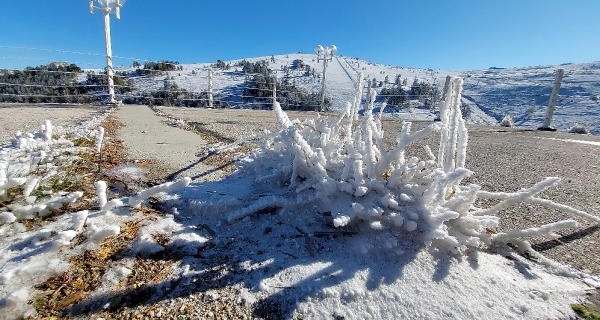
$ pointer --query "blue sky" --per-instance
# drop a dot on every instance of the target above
(439, 34)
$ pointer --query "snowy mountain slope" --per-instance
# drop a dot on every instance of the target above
(489, 94)
(524, 93)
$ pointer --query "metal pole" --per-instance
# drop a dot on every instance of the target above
(109, 64)
(274, 89)
(210, 88)
(323, 84)
(107, 7)
(325, 54)
(552, 103)
(445, 93)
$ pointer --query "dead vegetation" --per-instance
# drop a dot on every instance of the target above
(59, 294)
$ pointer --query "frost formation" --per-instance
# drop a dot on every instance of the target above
(346, 168)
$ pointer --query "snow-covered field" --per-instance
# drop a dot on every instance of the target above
(489, 94)
(326, 219)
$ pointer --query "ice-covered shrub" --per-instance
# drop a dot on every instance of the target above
(344, 167)
(29, 171)
(579, 129)
(507, 121)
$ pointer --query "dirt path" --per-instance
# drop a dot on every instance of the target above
(148, 136)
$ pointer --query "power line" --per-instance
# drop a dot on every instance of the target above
(59, 86)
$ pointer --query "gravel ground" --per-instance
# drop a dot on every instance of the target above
(502, 159)
(23, 117)
(235, 124)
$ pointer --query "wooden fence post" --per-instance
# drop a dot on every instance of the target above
(552, 103)
(210, 88)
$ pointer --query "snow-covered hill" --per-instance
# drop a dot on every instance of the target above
(489, 94)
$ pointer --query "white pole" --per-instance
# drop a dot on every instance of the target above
(106, 7)
(552, 103)
(274, 89)
(210, 88)
(325, 54)
(109, 65)
(323, 84)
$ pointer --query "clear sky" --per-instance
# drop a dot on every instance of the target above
(439, 34)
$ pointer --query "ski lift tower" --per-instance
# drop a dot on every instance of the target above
(325, 55)
(107, 7)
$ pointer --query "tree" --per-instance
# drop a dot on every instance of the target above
(397, 81)
(221, 65)
(395, 97)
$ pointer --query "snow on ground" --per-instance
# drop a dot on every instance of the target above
(296, 261)
(28, 256)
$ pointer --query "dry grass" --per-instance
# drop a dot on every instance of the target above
(59, 293)
(85, 274)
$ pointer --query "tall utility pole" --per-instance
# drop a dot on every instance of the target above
(325, 55)
(107, 7)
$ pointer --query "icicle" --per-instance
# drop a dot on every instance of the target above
(370, 160)
(48, 130)
(101, 193)
(281, 116)
(99, 139)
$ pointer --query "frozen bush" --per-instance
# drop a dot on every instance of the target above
(343, 167)
(579, 129)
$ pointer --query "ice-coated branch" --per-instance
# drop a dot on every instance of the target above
(137, 199)
(545, 230)
(47, 130)
(520, 196)
(544, 202)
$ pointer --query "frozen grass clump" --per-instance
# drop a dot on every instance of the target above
(507, 121)
(579, 129)
(343, 167)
